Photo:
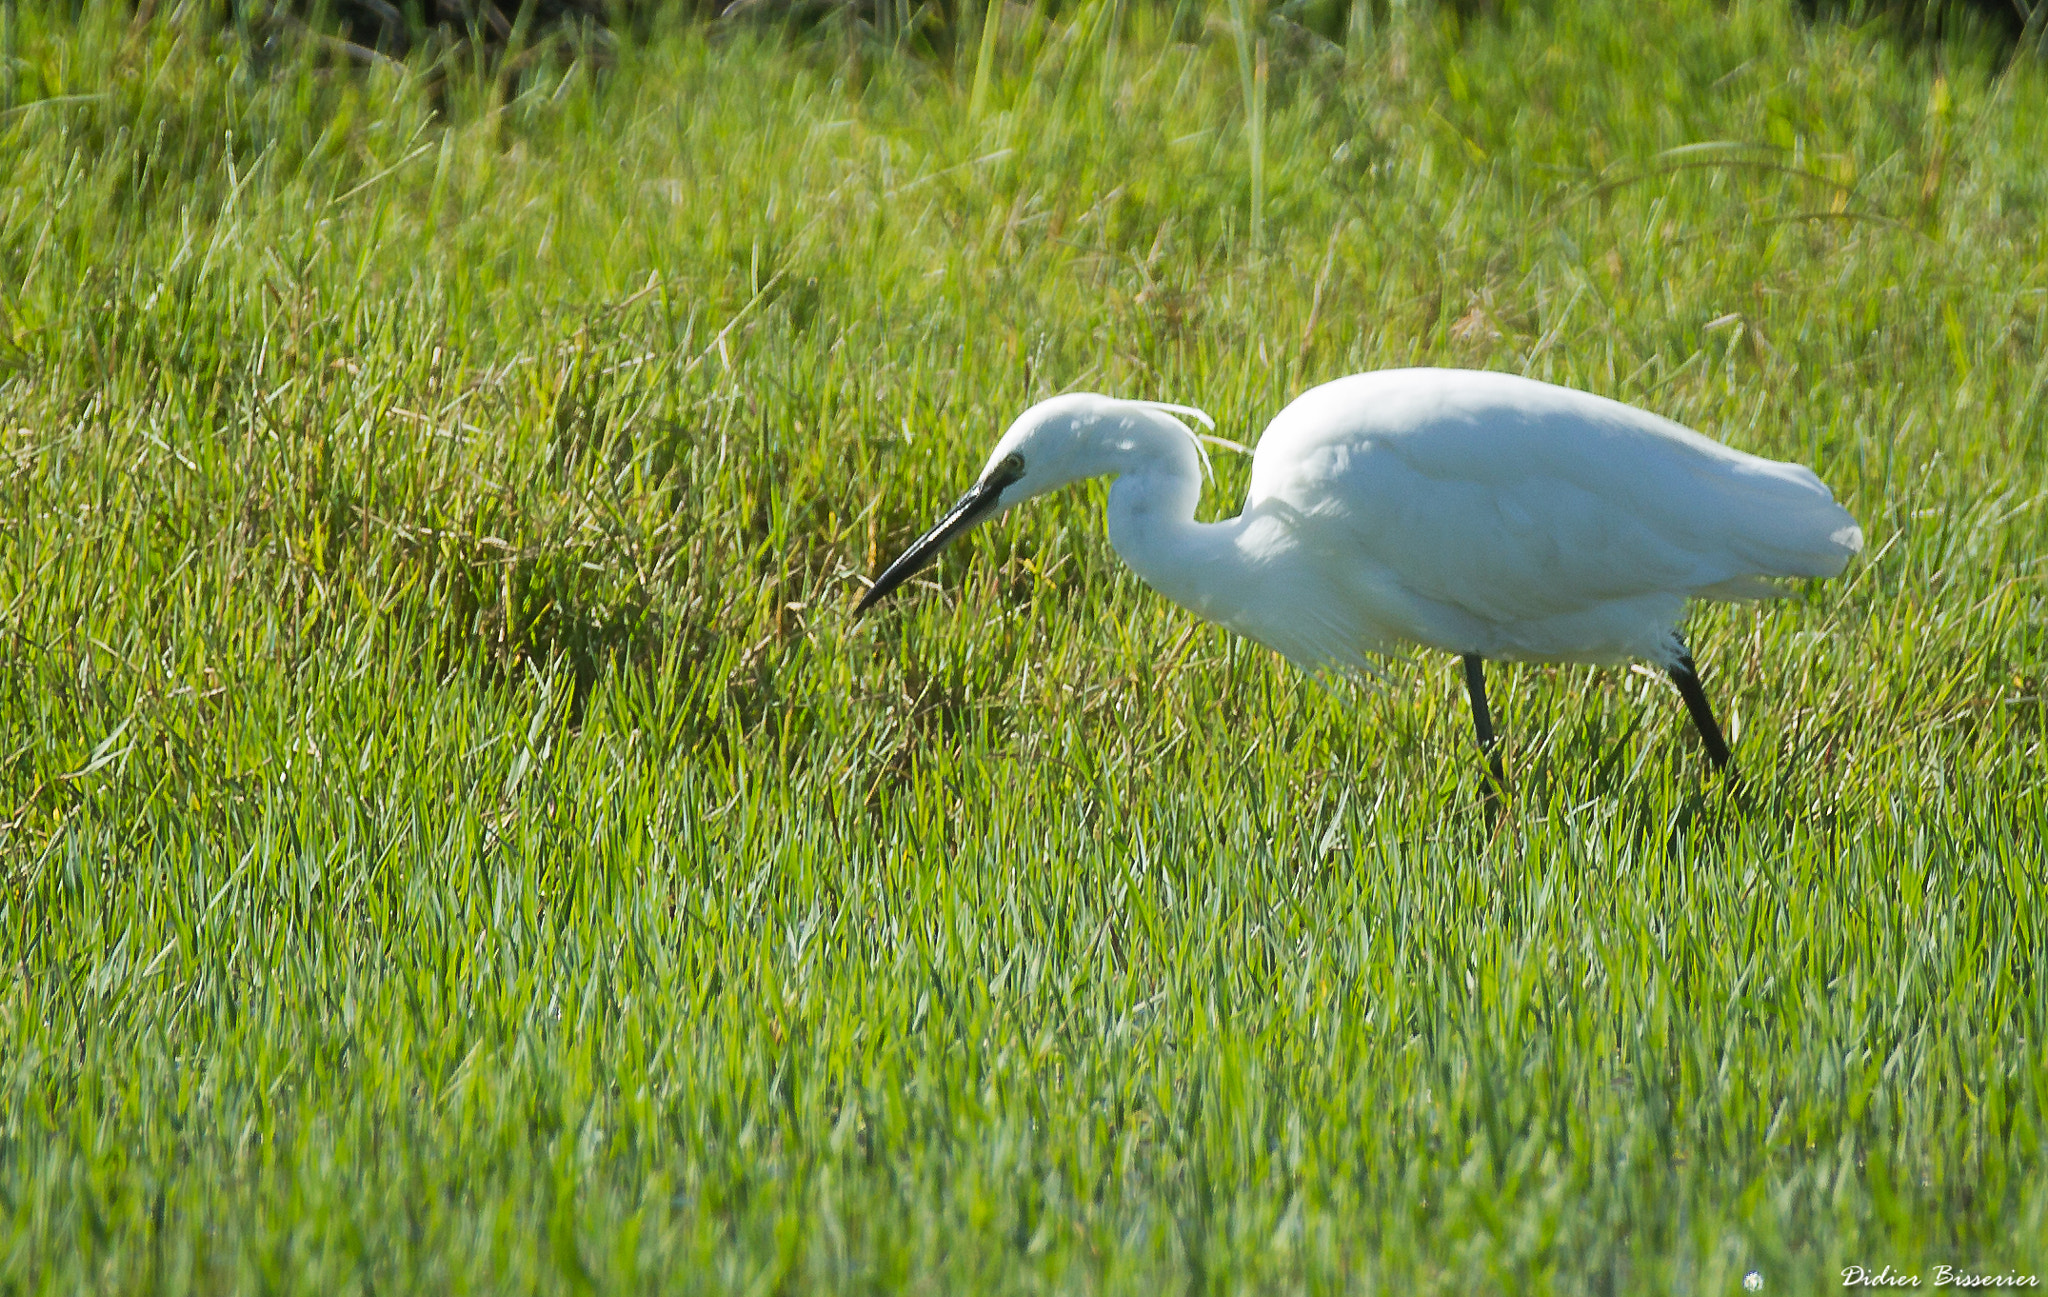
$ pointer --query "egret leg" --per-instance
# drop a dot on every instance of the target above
(1482, 720)
(1687, 677)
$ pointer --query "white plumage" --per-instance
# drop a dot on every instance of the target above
(1483, 514)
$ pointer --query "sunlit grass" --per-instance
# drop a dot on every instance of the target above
(455, 836)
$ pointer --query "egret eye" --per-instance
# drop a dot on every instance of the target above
(1013, 465)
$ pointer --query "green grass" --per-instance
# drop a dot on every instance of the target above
(455, 837)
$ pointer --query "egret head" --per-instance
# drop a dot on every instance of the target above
(1065, 439)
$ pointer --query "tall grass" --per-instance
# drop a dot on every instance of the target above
(455, 837)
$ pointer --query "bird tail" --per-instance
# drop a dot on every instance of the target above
(1790, 526)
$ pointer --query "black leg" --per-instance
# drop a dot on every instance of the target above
(1482, 720)
(1687, 678)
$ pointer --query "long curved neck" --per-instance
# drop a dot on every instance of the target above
(1152, 513)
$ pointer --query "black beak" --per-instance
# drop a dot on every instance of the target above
(968, 510)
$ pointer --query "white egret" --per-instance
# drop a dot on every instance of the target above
(1483, 514)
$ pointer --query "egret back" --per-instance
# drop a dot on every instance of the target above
(1517, 503)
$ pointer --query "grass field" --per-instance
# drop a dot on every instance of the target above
(456, 839)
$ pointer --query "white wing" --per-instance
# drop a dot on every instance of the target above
(1512, 500)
